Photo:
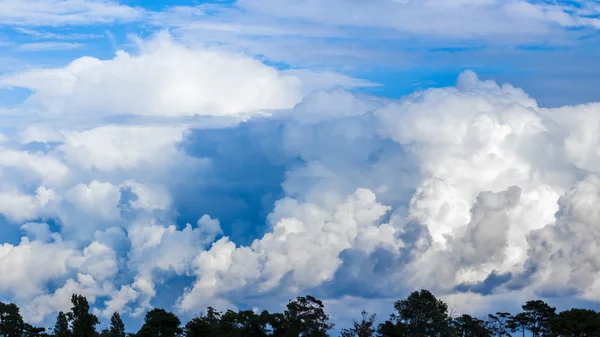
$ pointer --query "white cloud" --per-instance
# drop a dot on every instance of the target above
(48, 46)
(40, 133)
(306, 242)
(108, 148)
(99, 198)
(70, 12)
(39, 34)
(18, 206)
(148, 198)
(448, 184)
(349, 35)
(487, 156)
(564, 255)
(38, 231)
(446, 18)
(165, 79)
(45, 168)
(28, 266)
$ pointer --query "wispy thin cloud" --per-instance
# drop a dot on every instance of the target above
(38, 34)
(65, 12)
(48, 46)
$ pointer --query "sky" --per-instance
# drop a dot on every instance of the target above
(181, 154)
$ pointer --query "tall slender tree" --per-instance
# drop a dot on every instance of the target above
(539, 317)
(61, 328)
(498, 324)
(117, 327)
(83, 323)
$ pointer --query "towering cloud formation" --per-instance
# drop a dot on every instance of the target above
(472, 188)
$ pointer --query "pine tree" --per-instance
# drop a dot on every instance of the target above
(117, 328)
(83, 323)
(61, 328)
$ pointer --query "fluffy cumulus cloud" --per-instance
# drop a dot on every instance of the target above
(165, 79)
(473, 191)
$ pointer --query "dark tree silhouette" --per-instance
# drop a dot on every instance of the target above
(419, 315)
(250, 324)
(499, 324)
(31, 331)
(577, 323)
(117, 328)
(160, 323)
(306, 317)
(519, 323)
(391, 329)
(467, 326)
(279, 325)
(11, 321)
(207, 325)
(83, 323)
(539, 317)
(61, 328)
(364, 328)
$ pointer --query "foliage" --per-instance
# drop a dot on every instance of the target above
(117, 328)
(160, 323)
(306, 317)
(364, 328)
(82, 322)
(577, 323)
(418, 315)
(467, 326)
(61, 328)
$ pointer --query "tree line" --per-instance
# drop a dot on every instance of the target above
(421, 314)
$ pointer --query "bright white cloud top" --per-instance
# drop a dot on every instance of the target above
(121, 174)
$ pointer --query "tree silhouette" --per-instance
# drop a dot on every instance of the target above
(577, 323)
(117, 328)
(306, 317)
(104, 333)
(250, 324)
(364, 328)
(419, 315)
(467, 326)
(31, 331)
(11, 321)
(160, 323)
(539, 317)
(61, 328)
(83, 323)
(519, 323)
(499, 324)
(206, 325)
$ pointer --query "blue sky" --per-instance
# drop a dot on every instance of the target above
(407, 58)
(239, 153)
